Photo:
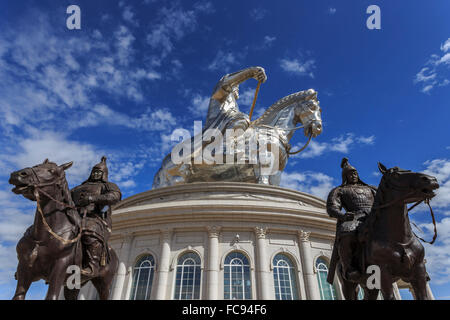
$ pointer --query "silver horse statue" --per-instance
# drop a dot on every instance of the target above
(241, 151)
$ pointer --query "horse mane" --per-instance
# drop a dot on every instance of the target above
(67, 196)
(379, 196)
(273, 110)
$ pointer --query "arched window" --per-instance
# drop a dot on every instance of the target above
(143, 278)
(187, 282)
(237, 283)
(327, 291)
(285, 280)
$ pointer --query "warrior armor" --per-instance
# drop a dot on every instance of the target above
(91, 198)
(357, 198)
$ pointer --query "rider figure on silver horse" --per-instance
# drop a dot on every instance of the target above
(223, 110)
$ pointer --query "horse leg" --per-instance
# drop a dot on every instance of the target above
(102, 286)
(386, 285)
(56, 280)
(104, 281)
(419, 282)
(71, 294)
(23, 284)
(349, 290)
(371, 294)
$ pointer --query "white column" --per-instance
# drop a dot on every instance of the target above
(127, 239)
(128, 282)
(263, 265)
(164, 264)
(213, 262)
(312, 287)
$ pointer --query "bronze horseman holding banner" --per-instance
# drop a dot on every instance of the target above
(357, 198)
(91, 198)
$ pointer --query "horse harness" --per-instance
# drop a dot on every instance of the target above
(427, 201)
(36, 191)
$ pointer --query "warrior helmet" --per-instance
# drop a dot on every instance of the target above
(103, 168)
(346, 168)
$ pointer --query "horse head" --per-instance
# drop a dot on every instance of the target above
(44, 176)
(299, 107)
(406, 185)
(308, 113)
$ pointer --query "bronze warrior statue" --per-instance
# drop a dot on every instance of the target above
(91, 199)
(52, 244)
(375, 231)
(357, 198)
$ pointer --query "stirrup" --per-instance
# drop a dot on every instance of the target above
(88, 272)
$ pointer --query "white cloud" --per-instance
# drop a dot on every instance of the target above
(316, 183)
(341, 144)
(56, 78)
(16, 214)
(331, 10)
(445, 59)
(376, 174)
(313, 150)
(435, 72)
(8, 263)
(124, 42)
(268, 40)
(266, 43)
(421, 77)
(199, 105)
(40, 145)
(297, 67)
(446, 46)
(100, 114)
(258, 14)
(173, 24)
(223, 61)
(246, 97)
(129, 16)
(438, 255)
(366, 140)
(440, 168)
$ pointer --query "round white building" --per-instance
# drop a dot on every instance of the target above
(222, 240)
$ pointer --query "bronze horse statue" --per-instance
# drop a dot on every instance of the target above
(387, 238)
(52, 243)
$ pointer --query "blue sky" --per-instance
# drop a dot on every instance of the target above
(137, 70)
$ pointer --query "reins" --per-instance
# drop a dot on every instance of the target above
(296, 128)
(427, 201)
(36, 191)
(303, 148)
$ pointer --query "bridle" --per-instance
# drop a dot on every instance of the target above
(286, 145)
(392, 186)
(36, 191)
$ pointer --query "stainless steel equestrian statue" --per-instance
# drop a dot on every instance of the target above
(233, 148)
